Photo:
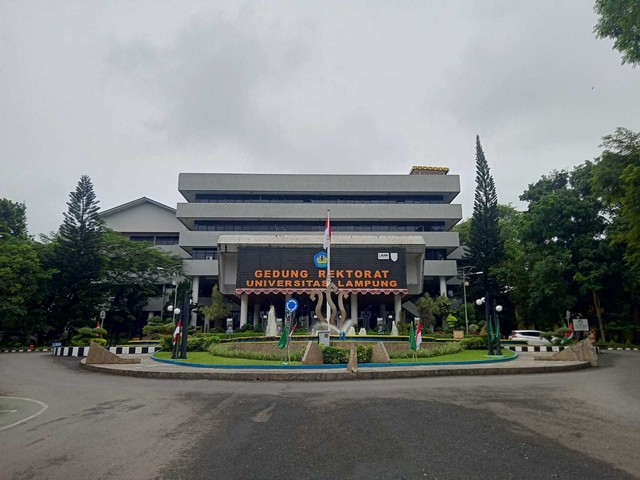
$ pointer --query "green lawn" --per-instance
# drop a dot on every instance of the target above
(463, 356)
(206, 358)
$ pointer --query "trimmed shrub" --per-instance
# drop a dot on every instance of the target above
(339, 355)
(228, 351)
(334, 355)
(474, 343)
(435, 351)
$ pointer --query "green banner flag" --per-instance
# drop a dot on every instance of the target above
(412, 339)
(285, 336)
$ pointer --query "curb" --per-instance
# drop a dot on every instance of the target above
(22, 350)
(317, 376)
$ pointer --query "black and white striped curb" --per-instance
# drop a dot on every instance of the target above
(634, 349)
(20, 350)
(531, 348)
(515, 348)
(84, 351)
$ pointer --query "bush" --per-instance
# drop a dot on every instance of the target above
(99, 331)
(228, 351)
(195, 343)
(474, 328)
(247, 327)
(474, 343)
(334, 355)
(432, 351)
(85, 331)
(339, 355)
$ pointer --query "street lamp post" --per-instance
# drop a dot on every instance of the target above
(493, 331)
(466, 271)
(174, 311)
(498, 309)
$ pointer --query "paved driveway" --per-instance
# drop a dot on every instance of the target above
(581, 425)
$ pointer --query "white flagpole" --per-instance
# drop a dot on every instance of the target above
(328, 270)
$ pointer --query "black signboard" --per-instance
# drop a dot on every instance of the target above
(305, 269)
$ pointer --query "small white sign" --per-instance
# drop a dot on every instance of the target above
(580, 325)
(383, 256)
(394, 257)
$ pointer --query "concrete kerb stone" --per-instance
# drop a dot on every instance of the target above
(164, 371)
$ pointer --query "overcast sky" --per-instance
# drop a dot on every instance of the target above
(133, 92)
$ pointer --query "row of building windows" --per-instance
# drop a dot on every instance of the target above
(205, 254)
(210, 225)
(156, 239)
(224, 198)
(212, 254)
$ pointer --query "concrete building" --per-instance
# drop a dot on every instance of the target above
(145, 220)
(259, 237)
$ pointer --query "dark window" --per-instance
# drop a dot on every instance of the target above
(167, 240)
(141, 238)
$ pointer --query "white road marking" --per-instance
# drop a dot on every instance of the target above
(42, 404)
(8, 411)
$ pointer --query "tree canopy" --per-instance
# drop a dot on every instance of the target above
(620, 21)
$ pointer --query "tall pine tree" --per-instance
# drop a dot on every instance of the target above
(486, 247)
(78, 261)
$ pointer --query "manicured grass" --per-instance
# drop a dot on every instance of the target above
(206, 358)
(463, 356)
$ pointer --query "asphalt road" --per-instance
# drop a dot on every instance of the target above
(577, 425)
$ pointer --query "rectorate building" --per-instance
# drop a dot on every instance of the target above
(259, 237)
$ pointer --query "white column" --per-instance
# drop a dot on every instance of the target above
(443, 287)
(195, 288)
(244, 308)
(354, 309)
(397, 306)
(256, 314)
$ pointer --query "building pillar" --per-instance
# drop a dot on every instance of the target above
(397, 307)
(195, 289)
(443, 286)
(256, 314)
(354, 309)
(244, 308)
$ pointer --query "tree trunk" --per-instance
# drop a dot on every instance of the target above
(596, 305)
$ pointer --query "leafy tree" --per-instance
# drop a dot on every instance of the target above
(20, 276)
(218, 309)
(131, 273)
(78, 291)
(620, 21)
(426, 307)
(13, 219)
(616, 178)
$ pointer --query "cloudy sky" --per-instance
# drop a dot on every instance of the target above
(133, 92)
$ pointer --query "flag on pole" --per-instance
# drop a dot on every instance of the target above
(418, 336)
(176, 333)
(284, 338)
(569, 335)
(412, 339)
(326, 241)
(293, 330)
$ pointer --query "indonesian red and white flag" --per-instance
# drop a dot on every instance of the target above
(176, 332)
(418, 336)
(326, 241)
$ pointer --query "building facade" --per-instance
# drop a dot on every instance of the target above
(259, 237)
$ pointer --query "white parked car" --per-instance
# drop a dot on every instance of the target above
(532, 337)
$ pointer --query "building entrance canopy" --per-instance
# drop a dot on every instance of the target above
(288, 264)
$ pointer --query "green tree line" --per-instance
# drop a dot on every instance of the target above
(52, 287)
(575, 248)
